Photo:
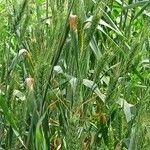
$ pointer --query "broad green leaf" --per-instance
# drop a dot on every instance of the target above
(40, 139)
(95, 49)
(10, 119)
(7, 113)
(112, 24)
(126, 108)
(90, 84)
(136, 4)
(58, 69)
(19, 95)
(141, 11)
(117, 46)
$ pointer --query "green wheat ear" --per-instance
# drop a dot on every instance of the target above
(88, 56)
(96, 17)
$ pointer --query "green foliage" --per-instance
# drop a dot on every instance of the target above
(75, 74)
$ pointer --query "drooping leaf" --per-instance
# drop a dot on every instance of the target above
(126, 108)
(90, 84)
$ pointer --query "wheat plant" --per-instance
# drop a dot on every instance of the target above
(74, 74)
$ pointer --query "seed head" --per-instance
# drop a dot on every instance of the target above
(73, 22)
(23, 52)
(29, 82)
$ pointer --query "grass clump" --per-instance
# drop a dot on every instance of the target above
(74, 74)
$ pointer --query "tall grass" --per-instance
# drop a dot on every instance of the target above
(74, 74)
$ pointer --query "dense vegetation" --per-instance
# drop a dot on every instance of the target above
(75, 74)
